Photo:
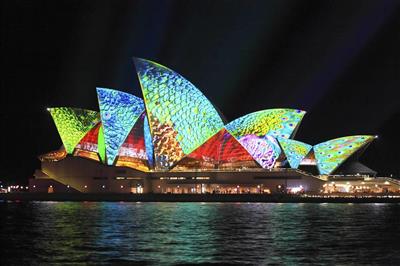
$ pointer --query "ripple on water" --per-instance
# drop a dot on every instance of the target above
(197, 233)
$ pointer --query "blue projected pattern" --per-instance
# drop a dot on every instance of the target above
(148, 142)
(294, 150)
(119, 111)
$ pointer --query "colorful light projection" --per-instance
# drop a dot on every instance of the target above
(133, 151)
(331, 154)
(73, 124)
(54, 156)
(181, 118)
(148, 142)
(272, 122)
(179, 122)
(88, 146)
(220, 149)
(257, 132)
(294, 150)
(265, 150)
(101, 145)
(119, 111)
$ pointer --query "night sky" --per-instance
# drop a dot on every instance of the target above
(337, 60)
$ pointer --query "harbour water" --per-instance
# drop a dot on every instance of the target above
(199, 233)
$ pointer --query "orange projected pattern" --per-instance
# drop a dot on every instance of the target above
(166, 147)
(87, 154)
(54, 156)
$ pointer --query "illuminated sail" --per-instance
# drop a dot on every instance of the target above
(181, 118)
(331, 154)
(294, 150)
(73, 124)
(119, 112)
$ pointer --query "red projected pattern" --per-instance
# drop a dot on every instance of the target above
(87, 147)
(133, 151)
(221, 148)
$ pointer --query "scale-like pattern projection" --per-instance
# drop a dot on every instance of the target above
(294, 150)
(119, 111)
(273, 122)
(180, 116)
(265, 150)
(331, 154)
(73, 124)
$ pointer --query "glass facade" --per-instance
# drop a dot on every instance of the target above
(132, 152)
(88, 146)
(219, 151)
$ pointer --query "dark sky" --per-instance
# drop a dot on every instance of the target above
(337, 60)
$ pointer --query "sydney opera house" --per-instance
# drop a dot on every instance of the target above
(175, 141)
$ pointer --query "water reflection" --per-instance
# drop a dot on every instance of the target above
(180, 233)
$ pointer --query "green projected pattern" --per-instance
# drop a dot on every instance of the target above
(331, 154)
(73, 124)
(294, 150)
(101, 146)
(181, 118)
(273, 122)
(119, 111)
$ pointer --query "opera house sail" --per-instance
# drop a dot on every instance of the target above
(173, 140)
